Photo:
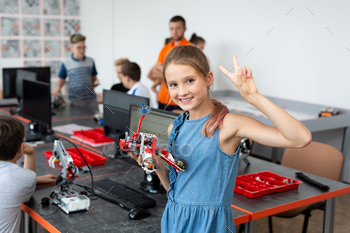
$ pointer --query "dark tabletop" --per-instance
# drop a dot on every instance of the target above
(71, 111)
(106, 216)
(103, 216)
(278, 202)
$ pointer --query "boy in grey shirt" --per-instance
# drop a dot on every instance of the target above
(82, 75)
(17, 184)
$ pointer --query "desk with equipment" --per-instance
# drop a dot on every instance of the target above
(334, 130)
(106, 216)
(102, 216)
(278, 202)
(112, 216)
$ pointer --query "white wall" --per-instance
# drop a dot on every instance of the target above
(97, 25)
(299, 59)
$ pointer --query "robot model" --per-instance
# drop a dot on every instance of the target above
(244, 152)
(148, 146)
(66, 198)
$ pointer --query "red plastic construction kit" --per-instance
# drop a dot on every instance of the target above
(90, 157)
(94, 136)
(263, 183)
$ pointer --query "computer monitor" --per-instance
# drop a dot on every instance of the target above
(156, 122)
(43, 74)
(37, 104)
(9, 83)
(9, 78)
(20, 76)
(116, 107)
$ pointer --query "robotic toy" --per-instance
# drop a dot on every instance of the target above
(148, 146)
(66, 198)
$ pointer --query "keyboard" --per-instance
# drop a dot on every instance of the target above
(122, 195)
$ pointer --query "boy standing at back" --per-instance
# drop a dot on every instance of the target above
(82, 73)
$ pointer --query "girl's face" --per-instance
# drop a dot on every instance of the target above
(186, 87)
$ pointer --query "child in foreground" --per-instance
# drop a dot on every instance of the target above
(206, 136)
(18, 184)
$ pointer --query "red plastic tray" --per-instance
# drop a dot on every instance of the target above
(93, 136)
(263, 183)
(90, 157)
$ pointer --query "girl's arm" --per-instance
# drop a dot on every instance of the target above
(288, 132)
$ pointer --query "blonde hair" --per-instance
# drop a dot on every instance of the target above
(192, 56)
(75, 38)
(121, 61)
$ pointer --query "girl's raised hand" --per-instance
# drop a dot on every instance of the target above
(242, 78)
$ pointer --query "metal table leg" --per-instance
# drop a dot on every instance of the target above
(274, 154)
(32, 225)
(328, 223)
(22, 226)
(251, 226)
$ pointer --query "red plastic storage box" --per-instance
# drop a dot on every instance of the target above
(94, 136)
(90, 157)
(263, 183)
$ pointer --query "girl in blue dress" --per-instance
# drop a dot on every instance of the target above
(207, 138)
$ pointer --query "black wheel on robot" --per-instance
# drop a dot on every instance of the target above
(124, 153)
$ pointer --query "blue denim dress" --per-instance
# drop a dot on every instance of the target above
(199, 199)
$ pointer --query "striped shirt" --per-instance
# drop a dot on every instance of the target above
(80, 73)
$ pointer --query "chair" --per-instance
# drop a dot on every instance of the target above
(319, 159)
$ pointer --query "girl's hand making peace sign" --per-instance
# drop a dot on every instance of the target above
(288, 132)
(242, 78)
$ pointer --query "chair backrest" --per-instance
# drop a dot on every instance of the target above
(317, 158)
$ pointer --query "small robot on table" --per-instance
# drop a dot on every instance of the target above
(147, 146)
(65, 197)
(245, 148)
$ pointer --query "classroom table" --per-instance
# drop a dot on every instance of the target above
(71, 112)
(275, 203)
(334, 131)
(103, 215)
(126, 171)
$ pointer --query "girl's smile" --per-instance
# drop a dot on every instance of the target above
(186, 101)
